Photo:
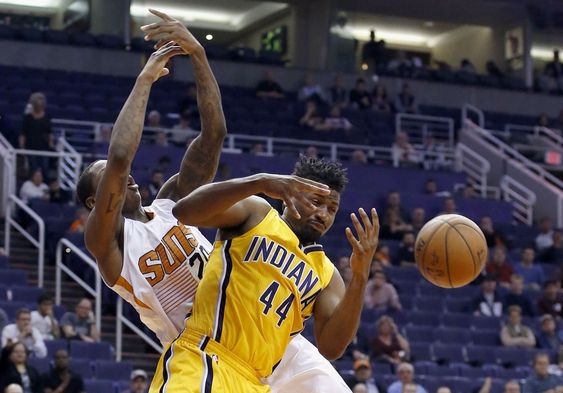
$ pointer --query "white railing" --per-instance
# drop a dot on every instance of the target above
(68, 247)
(8, 173)
(475, 166)
(467, 109)
(70, 165)
(418, 127)
(521, 197)
(37, 242)
(122, 320)
(549, 137)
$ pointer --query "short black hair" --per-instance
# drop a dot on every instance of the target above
(85, 185)
(44, 298)
(323, 171)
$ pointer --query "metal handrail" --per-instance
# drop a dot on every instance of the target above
(467, 108)
(521, 197)
(547, 135)
(61, 267)
(8, 175)
(121, 320)
(69, 166)
(424, 121)
(475, 166)
(39, 243)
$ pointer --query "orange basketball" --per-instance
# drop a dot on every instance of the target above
(450, 251)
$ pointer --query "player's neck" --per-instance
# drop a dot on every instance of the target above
(139, 214)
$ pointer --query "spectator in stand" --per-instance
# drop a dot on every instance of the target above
(257, 149)
(57, 194)
(157, 181)
(153, 119)
(494, 238)
(543, 120)
(467, 66)
(311, 90)
(544, 239)
(405, 101)
(517, 297)
(380, 295)
(359, 96)
(514, 334)
(334, 121)
(360, 388)
(13, 388)
(379, 99)
(36, 132)
(79, 325)
(542, 381)
(138, 382)
(500, 267)
(312, 117)
(23, 332)
(161, 139)
(268, 87)
(449, 206)
(79, 224)
(549, 337)
(389, 346)
(488, 303)
(395, 218)
(382, 255)
(182, 129)
(493, 70)
(512, 387)
(359, 347)
(532, 274)
(433, 156)
(338, 93)
(3, 319)
(554, 72)
(405, 255)
(43, 319)
(61, 379)
(312, 152)
(431, 188)
(373, 53)
(35, 188)
(405, 373)
(15, 370)
(418, 219)
(551, 301)
(103, 134)
(359, 157)
(188, 102)
(403, 152)
(468, 192)
(554, 253)
(401, 65)
(363, 375)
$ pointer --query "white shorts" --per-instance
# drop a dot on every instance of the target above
(304, 370)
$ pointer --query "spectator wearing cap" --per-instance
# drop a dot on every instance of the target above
(498, 265)
(363, 374)
(532, 274)
(61, 379)
(43, 319)
(488, 303)
(551, 301)
(389, 346)
(138, 382)
(542, 381)
(549, 337)
(381, 295)
(516, 296)
(514, 333)
(405, 374)
(554, 253)
(544, 239)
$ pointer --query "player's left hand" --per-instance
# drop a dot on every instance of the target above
(364, 246)
(170, 29)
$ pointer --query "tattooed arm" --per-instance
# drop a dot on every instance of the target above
(104, 228)
(200, 161)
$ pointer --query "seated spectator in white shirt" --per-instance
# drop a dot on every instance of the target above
(23, 331)
(403, 153)
(488, 303)
(35, 188)
(311, 90)
(43, 319)
(405, 373)
(335, 121)
(80, 324)
(3, 319)
(544, 239)
(514, 334)
(182, 130)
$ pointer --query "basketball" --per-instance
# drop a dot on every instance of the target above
(450, 251)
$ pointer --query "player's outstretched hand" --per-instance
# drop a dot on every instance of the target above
(365, 243)
(156, 65)
(170, 30)
(291, 189)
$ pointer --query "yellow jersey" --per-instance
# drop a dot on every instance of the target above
(257, 291)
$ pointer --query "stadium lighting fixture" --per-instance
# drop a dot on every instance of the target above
(32, 3)
(209, 37)
(187, 14)
(543, 53)
(399, 37)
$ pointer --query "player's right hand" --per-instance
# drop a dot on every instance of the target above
(170, 30)
(156, 65)
(291, 189)
(364, 246)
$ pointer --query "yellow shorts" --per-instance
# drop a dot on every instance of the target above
(196, 364)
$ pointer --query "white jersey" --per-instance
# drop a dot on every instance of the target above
(163, 262)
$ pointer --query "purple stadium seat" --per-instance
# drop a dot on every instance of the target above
(403, 273)
(84, 350)
(43, 365)
(344, 365)
(55, 345)
(95, 386)
(475, 372)
(427, 289)
(13, 277)
(29, 34)
(465, 293)
(448, 353)
(3, 293)
(7, 32)
(109, 41)
(419, 334)
(480, 354)
(420, 352)
(452, 336)
(3, 262)
(26, 294)
(512, 357)
(419, 318)
(82, 367)
(57, 37)
(456, 320)
(485, 337)
(428, 304)
(381, 369)
(488, 323)
(442, 371)
(83, 39)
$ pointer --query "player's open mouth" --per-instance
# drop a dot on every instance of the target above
(317, 225)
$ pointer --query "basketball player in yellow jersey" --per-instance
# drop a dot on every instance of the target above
(265, 277)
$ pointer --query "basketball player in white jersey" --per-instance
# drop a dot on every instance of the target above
(143, 253)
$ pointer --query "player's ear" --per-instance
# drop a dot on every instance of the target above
(90, 202)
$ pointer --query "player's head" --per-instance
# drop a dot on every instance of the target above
(88, 186)
(314, 223)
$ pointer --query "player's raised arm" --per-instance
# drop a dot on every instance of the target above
(105, 221)
(337, 311)
(200, 162)
(231, 204)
